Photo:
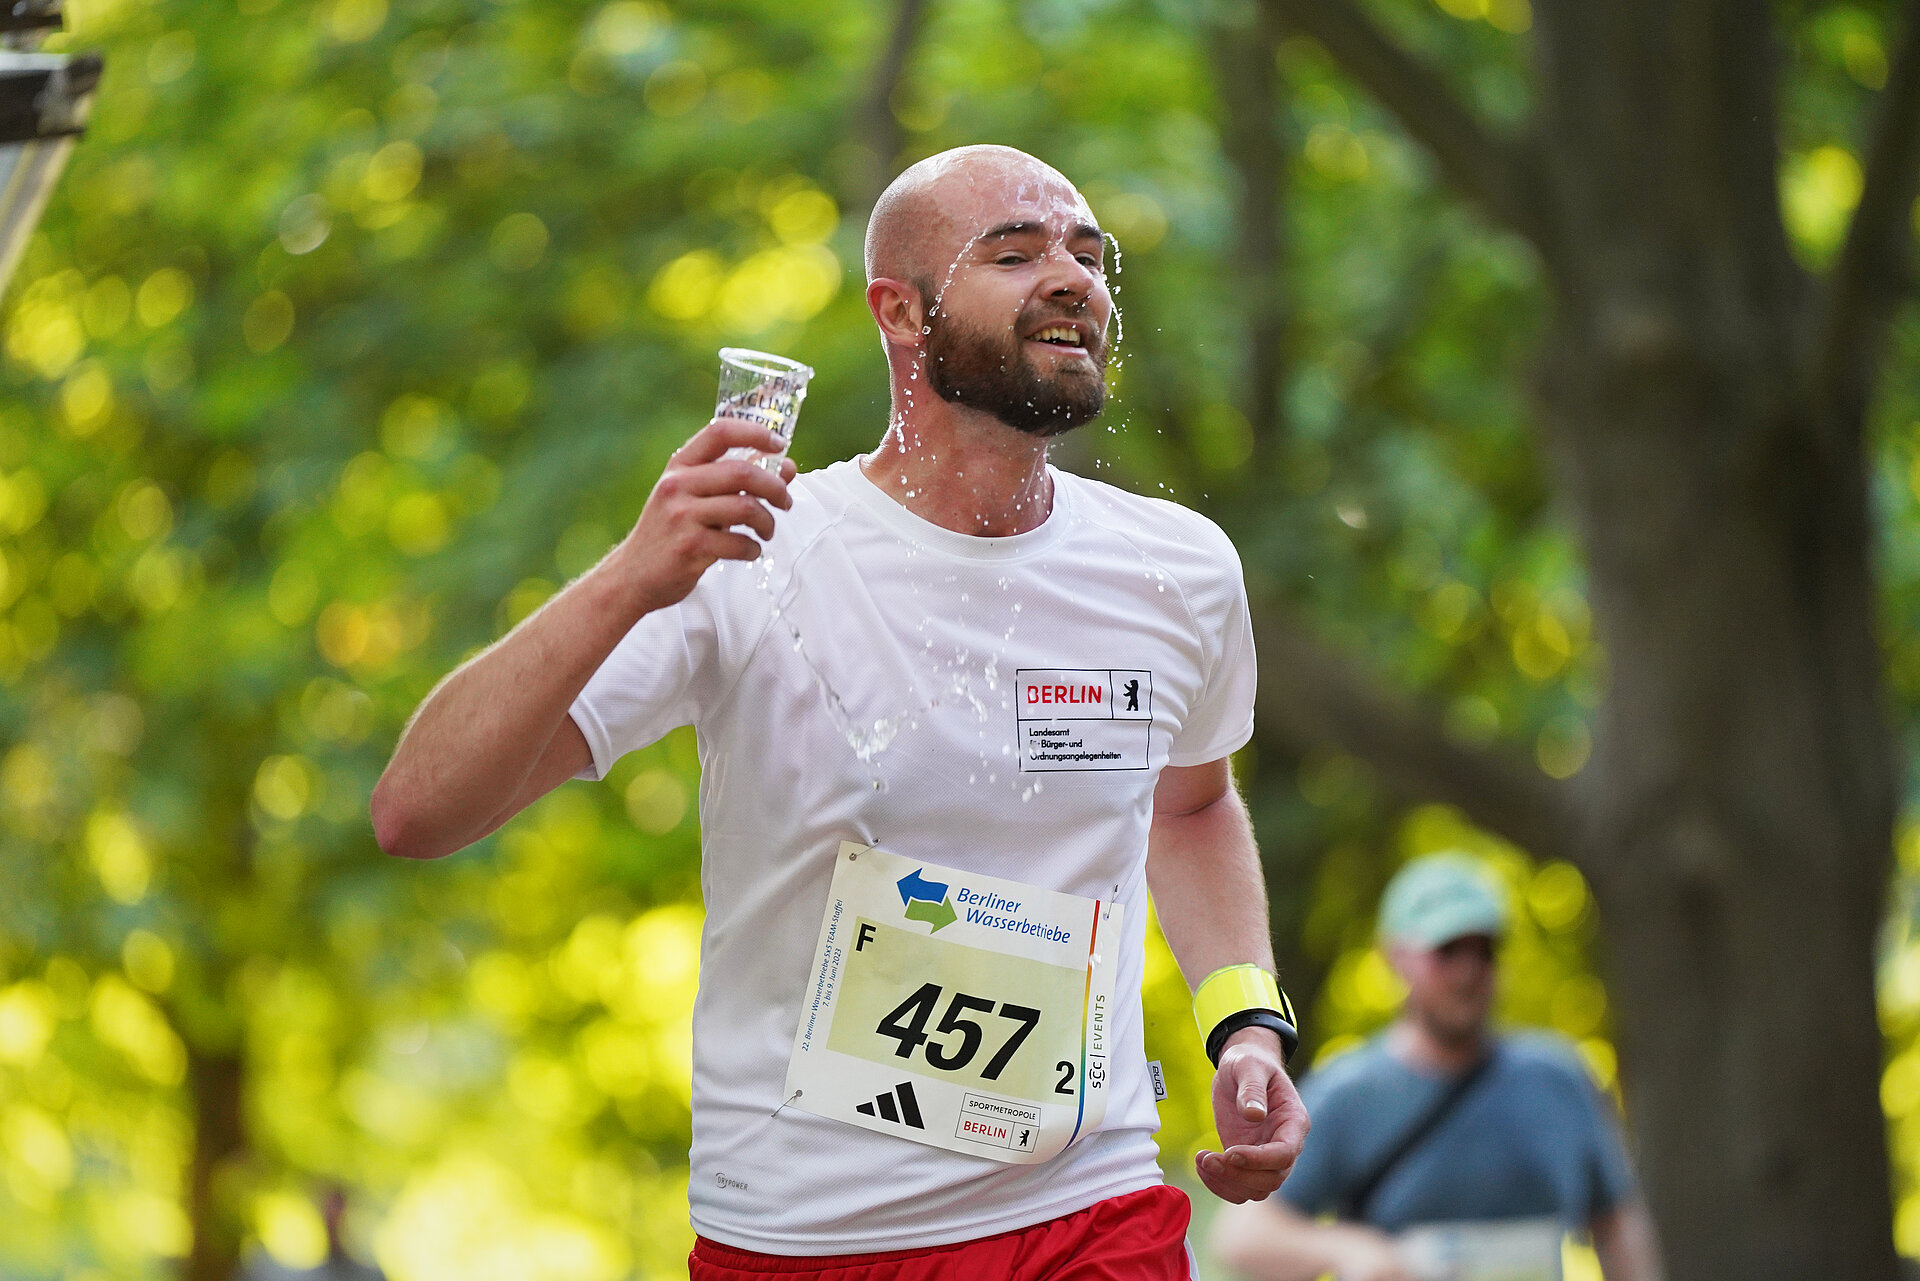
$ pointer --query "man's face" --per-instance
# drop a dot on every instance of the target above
(1450, 987)
(1019, 330)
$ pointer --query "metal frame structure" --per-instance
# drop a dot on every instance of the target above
(44, 102)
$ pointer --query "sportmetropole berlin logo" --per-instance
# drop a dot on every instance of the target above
(926, 900)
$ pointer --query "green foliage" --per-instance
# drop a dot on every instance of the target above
(354, 330)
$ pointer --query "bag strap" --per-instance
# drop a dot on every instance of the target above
(1354, 1206)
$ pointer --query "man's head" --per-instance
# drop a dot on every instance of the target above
(986, 269)
(1440, 920)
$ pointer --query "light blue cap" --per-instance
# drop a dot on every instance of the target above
(1438, 898)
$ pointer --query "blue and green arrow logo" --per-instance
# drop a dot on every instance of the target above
(926, 900)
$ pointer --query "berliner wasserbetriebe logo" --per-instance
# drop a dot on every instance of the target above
(926, 900)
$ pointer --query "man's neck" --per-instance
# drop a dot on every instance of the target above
(1414, 1043)
(961, 469)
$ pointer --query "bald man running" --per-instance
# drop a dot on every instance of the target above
(993, 706)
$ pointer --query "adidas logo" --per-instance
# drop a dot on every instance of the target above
(907, 1111)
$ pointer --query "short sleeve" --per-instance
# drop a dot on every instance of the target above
(663, 674)
(1611, 1176)
(1221, 719)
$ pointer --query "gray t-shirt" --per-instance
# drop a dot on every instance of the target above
(1532, 1138)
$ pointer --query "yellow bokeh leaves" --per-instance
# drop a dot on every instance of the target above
(685, 288)
(129, 1022)
(86, 398)
(1818, 190)
(27, 1014)
(792, 282)
(290, 1229)
(518, 243)
(471, 1218)
(163, 296)
(119, 856)
(626, 27)
(368, 636)
(1511, 16)
(656, 801)
(39, 1159)
(645, 972)
(268, 321)
(45, 333)
(148, 960)
(144, 510)
(1557, 896)
(803, 216)
(418, 524)
(351, 21)
(285, 787)
(393, 172)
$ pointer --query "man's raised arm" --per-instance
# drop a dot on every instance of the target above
(495, 735)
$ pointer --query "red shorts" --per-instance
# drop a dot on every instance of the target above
(1141, 1236)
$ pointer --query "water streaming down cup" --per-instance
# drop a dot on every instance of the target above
(765, 389)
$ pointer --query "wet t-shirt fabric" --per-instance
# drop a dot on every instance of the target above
(998, 705)
(1533, 1138)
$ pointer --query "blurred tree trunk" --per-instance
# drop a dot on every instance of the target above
(1246, 45)
(1246, 50)
(217, 1083)
(1703, 403)
(876, 127)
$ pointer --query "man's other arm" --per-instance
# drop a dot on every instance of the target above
(1624, 1239)
(495, 735)
(1273, 1241)
(1204, 870)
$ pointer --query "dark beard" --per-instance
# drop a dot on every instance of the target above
(993, 374)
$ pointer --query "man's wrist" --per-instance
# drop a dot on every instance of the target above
(1261, 1038)
(621, 585)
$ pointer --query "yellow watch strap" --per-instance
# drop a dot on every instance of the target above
(1234, 988)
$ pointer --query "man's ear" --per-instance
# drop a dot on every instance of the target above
(897, 309)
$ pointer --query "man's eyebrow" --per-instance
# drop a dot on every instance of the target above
(1079, 231)
(1006, 229)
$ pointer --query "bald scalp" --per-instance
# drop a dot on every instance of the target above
(912, 234)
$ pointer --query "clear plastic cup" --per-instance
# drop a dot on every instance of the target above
(765, 389)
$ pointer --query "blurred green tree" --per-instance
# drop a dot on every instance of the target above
(1721, 313)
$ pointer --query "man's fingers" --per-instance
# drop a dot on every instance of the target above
(1291, 1132)
(729, 510)
(1251, 1089)
(722, 434)
(724, 545)
(1230, 1183)
(1261, 1157)
(736, 476)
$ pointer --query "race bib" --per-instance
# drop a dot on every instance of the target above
(1508, 1250)
(963, 1011)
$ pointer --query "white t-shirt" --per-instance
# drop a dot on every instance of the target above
(938, 639)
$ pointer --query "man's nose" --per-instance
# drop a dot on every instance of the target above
(1067, 277)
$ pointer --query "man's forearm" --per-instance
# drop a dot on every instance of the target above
(1204, 870)
(1626, 1244)
(1271, 1241)
(475, 739)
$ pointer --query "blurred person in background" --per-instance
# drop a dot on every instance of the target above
(1441, 1149)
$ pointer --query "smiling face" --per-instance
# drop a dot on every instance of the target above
(1011, 271)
